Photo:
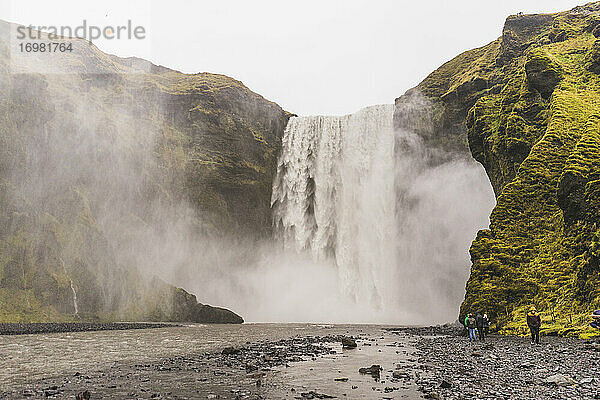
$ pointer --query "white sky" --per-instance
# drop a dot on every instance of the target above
(310, 56)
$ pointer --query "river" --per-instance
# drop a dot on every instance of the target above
(133, 363)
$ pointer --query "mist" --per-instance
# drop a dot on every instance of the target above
(370, 225)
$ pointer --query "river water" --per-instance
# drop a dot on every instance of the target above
(27, 359)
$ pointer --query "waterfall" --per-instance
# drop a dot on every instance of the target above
(333, 195)
(392, 217)
(73, 292)
(75, 306)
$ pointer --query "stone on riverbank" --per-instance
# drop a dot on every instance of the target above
(348, 343)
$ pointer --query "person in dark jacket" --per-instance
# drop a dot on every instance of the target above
(479, 322)
(486, 325)
(471, 325)
(534, 322)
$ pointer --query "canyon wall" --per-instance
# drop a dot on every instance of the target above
(528, 106)
(108, 165)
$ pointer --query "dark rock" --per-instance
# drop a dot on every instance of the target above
(374, 370)
(348, 343)
(85, 395)
(230, 351)
(315, 395)
(445, 384)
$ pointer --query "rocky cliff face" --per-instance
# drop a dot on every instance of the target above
(529, 105)
(101, 160)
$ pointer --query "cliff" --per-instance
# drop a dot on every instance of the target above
(100, 158)
(527, 104)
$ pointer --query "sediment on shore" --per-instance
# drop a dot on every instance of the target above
(56, 327)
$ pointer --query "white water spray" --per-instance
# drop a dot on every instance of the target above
(394, 219)
(334, 196)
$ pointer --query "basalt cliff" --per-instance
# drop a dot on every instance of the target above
(528, 107)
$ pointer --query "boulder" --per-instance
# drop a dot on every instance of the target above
(348, 343)
(374, 370)
(559, 380)
(229, 351)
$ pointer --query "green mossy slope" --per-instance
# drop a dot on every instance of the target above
(529, 104)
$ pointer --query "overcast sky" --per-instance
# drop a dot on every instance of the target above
(310, 56)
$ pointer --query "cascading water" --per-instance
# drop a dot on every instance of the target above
(73, 292)
(392, 217)
(334, 195)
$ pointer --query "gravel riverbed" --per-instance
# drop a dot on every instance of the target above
(309, 362)
(505, 367)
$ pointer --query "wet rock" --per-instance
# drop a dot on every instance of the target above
(315, 395)
(348, 343)
(229, 351)
(51, 392)
(251, 368)
(85, 395)
(445, 384)
(374, 370)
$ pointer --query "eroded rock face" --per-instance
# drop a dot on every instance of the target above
(543, 74)
(109, 156)
(534, 127)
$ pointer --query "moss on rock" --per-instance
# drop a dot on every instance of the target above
(535, 130)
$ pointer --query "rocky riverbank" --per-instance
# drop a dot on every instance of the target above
(505, 367)
(231, 373)
(279, 362)
(57, 327)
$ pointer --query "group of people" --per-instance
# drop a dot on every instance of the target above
(478, 326)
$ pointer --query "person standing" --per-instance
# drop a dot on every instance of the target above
(486, 325)
(534, 322)
(479, 322)
(471, 325)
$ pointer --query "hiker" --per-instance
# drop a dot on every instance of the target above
(471, 325)
(479, 323)
(486, 325)
(534, 322)
(595, 319)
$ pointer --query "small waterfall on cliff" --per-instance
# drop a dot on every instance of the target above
(73, 292)
(391, 217)
(333, 196)
(75, 306)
